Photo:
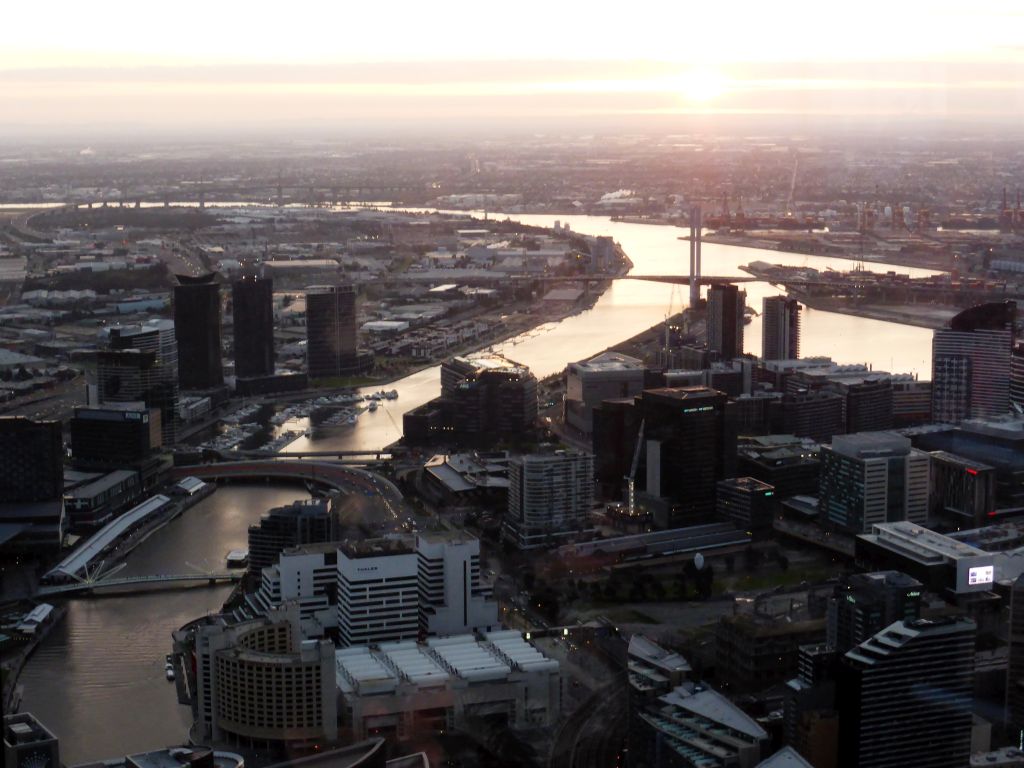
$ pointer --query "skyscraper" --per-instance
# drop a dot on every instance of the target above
(864, 604)
(330, 330)
(1017, 379)
(378, 591)
(1015, 670)
(686, 448)
(197, 331)
(872, 477)
(31, 460)
(906, 695)
(309, 521)
(971, 363)
(31, 483)
(726, 303)
(549, 497)
(780, 329)
(252, 302)
(141, 365)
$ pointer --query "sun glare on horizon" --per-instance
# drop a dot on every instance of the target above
(701, 85)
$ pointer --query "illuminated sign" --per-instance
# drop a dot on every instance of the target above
(982, 574)
(701, 409)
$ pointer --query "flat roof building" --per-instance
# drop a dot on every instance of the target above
(606, 376)
(402, 687)
(873, 477)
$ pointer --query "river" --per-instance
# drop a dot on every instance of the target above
(98, 679)
(629, 307)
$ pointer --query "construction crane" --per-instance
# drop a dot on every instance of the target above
(631, 477)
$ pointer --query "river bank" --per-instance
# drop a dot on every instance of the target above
(10, 696)
(918, 315)
(764, 243)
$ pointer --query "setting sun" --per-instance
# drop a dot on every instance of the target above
(701, 85)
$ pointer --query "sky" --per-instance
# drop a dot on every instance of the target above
(224, 63)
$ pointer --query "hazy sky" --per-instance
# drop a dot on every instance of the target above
(223, 62)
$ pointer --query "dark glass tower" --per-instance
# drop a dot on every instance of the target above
(780, 330)
(905, 696)
(725, 321)
(252, 301)
(330, 330)
(31, 460)
(197, 331)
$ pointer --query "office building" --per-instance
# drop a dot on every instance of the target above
(996, 443)
(252, 304)
(1015, 668)
(28, 743)
(197, 331)
(971, 363)
(747, 503)
(757, 650)
(308, 521)
(31, 460)
(306, 576)
(252, 307)
(726, 316)
(906, 696)
(258, 681)
(141, 365)
(872, 477)
(673, 444)
(780, 329)
(867, 395)
(864, 604)
(616, 424)
(944, 564)
(607, 376)
(100, 498)
(549, 497)
(378, 591)
(405, 689)
(331, 350)
(686, 449)
(352, 588)
(1017, 379)
(114, 435)
(911, 400)
(484, 399)
(963, 492)
(810, 720)
(453, 599)
(814, 415)
(32, 514)
(788, 464)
